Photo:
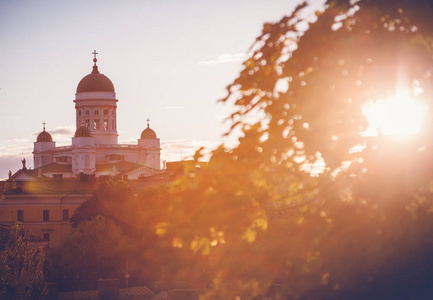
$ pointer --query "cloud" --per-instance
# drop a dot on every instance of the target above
(185, 149)
(18, 140)
(16, 150)
(65, 130)
(11, 154)
(171, 107)
(12, 163)
(225, 58)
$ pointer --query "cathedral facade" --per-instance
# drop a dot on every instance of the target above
(94, 150)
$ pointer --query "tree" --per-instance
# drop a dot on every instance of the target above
(21, 265)
(106, 201)
(94, 249)
(254, 222)
(268, 226)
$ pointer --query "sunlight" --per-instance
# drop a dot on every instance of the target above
(398, 116)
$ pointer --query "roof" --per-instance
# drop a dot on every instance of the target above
(51, 187)
(148, 133)
(121, 166)
(95, 82)
(83, 131)
(162, 296)
(54, 168)
(33, 174)
(54, 187)
(44, 137)
(137, 292)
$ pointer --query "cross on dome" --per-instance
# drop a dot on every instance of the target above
(95, 53)
(44, 124)
(95, 67)
(148, 120)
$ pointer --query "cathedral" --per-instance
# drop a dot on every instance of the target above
(94, 151)
(45, 197)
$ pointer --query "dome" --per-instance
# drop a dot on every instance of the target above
(148, 133)
(95, 82)
(83, 131)
(44, 137)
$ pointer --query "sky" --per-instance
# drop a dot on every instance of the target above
(169, 61)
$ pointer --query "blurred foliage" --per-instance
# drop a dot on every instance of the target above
(110, 195)
(94, 249)
(361, 227)
(254, 222)
(21, 266)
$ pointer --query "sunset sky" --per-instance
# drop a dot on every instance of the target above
(169, 61)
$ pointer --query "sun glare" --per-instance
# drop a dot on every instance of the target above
(398, 116)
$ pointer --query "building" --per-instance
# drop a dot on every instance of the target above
(45, 197)
(94, 150)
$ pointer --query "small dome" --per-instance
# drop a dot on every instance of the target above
(44, 137)
(83, 131)
(95, 82)
(148, 133)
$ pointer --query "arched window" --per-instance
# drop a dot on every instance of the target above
(86, 162)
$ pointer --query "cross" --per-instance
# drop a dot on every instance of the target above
(44, 124)
(94, 53)
(148, 120)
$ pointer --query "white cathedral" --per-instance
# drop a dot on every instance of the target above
(94, 151)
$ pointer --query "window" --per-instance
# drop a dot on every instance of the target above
(105, 124)
(87, 112)
(58, 177)
(61, 159)
(46, 237)
(79, 113)
(117, 157)
(105, 111)
(86, 162)
(112, 125)
(96, 112)
(87, 123)
(46, 214)
(66, 215)
(20, 215)
(96, 124)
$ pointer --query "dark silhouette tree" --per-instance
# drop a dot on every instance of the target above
(21, 271)
(94, 249)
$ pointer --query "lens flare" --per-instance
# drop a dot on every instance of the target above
(398, 116)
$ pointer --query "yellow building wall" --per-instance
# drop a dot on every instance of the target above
(33, 218)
